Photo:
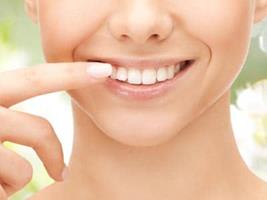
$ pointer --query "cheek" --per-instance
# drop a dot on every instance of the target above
(224, 27)
(220, 24)
(65, 24)
(220, 20)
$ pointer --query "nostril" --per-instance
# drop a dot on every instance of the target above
(124, 37)
(153, 36)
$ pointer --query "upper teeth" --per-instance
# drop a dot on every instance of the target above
(147, 76)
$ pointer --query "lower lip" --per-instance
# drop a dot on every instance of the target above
(144, 92)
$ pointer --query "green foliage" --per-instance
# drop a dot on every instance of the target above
(5, 30)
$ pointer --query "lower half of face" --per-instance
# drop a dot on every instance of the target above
(214, 37)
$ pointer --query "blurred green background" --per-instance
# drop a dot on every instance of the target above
(18, 33)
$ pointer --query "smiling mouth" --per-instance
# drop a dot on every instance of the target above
(142, 80)
(144, 74)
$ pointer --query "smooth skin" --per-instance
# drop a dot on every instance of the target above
(179, 146)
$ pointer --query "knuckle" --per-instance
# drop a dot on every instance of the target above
(26, 172)
(46, 126)
(31, 76)
(69, 70)
(46, 131)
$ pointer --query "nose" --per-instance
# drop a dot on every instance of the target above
(140, 21)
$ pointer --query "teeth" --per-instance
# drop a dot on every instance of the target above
(147, 76)
(114, 72)
(162, 74)
(134, 76)
(170, 72)
(122, 74)
(177, 68)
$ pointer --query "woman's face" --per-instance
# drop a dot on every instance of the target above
(216, 33)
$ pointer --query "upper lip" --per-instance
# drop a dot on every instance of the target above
(140, 63)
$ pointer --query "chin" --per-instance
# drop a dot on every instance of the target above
(138, 130)
(131, 124)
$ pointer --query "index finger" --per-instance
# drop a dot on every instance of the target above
(24, 83)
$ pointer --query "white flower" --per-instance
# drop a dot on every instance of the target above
(253, 99)
(249, 119)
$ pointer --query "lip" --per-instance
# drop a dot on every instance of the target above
(147, 92)
(142, 63)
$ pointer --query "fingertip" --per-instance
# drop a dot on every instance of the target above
(65, 173)
(62, 175)
(55, 171)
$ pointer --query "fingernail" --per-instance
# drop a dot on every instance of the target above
(99, 70)
(65, 173)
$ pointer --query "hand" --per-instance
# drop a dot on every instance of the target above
(35, 131)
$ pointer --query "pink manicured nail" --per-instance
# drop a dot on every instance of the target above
(99, 70)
